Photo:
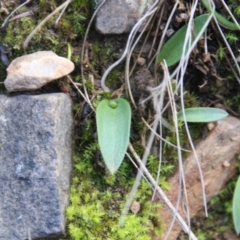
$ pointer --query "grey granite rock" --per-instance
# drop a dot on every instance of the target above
(34, 70)
(35, 160)
(119, 16)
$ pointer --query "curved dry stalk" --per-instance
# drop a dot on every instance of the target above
(161, 194)
(229, 49)
(225, 40)
(163, 36)
(136, 166)
(79, 91)
(179, 76)
(158, 103)
(60, 15)
(6, 20)
(160, 137)
(180, 72)
(182, 183)
(128, 45)
(230, 13)
(83, 51)
(160, 16)
(127, 65)
(138, 177)
(38, 27)
(146, 38)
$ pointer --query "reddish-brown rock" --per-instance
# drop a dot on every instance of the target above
(217, 155)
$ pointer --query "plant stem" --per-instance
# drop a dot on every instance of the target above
(222, 20)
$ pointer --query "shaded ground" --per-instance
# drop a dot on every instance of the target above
(208, 81)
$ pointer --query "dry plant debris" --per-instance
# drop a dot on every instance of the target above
(220, 146)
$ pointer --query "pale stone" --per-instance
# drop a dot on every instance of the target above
(135, 207)
(31, 72)
(119, 16)
(141, 61)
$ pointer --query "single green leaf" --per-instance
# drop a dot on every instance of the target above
(113, 128)
(221, 19)
(173, 48)
(202, 114)
(236, 207)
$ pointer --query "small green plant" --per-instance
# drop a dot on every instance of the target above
(97, 198)
(173, 48)
(202, 114)
(201, 235)
(220, 18)
(232, 37)
(113, 127)
(237, 10)
(221, 53)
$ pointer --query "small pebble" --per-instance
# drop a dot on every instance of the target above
(226, 164)
(170, 32)
(141, 61)
(183, 16)
(135, 207)
(211, 126)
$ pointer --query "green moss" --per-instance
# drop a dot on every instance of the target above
(97, 198)
(113, 79)
(17, 32)
(51, 37)
(220, 210)
(232, 37)
(220, 53)
(233, 102)
(101, 55)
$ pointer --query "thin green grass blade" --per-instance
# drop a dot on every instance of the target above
(202, 114)
(173, 48)
(236, 207)
(113, 128)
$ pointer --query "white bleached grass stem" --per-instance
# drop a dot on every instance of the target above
(6, 20)
(161, 194)
(38, 27)
(158, 104)
(128, 45)
(181, 73)
(229, 49)
(128, 57)
(164, 35)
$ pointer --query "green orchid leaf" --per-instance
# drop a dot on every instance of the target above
(202, 114)
(236, 207)
(173, 48)
(220, 18)
(113, 128)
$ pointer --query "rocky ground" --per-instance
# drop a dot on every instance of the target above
(97, 198)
